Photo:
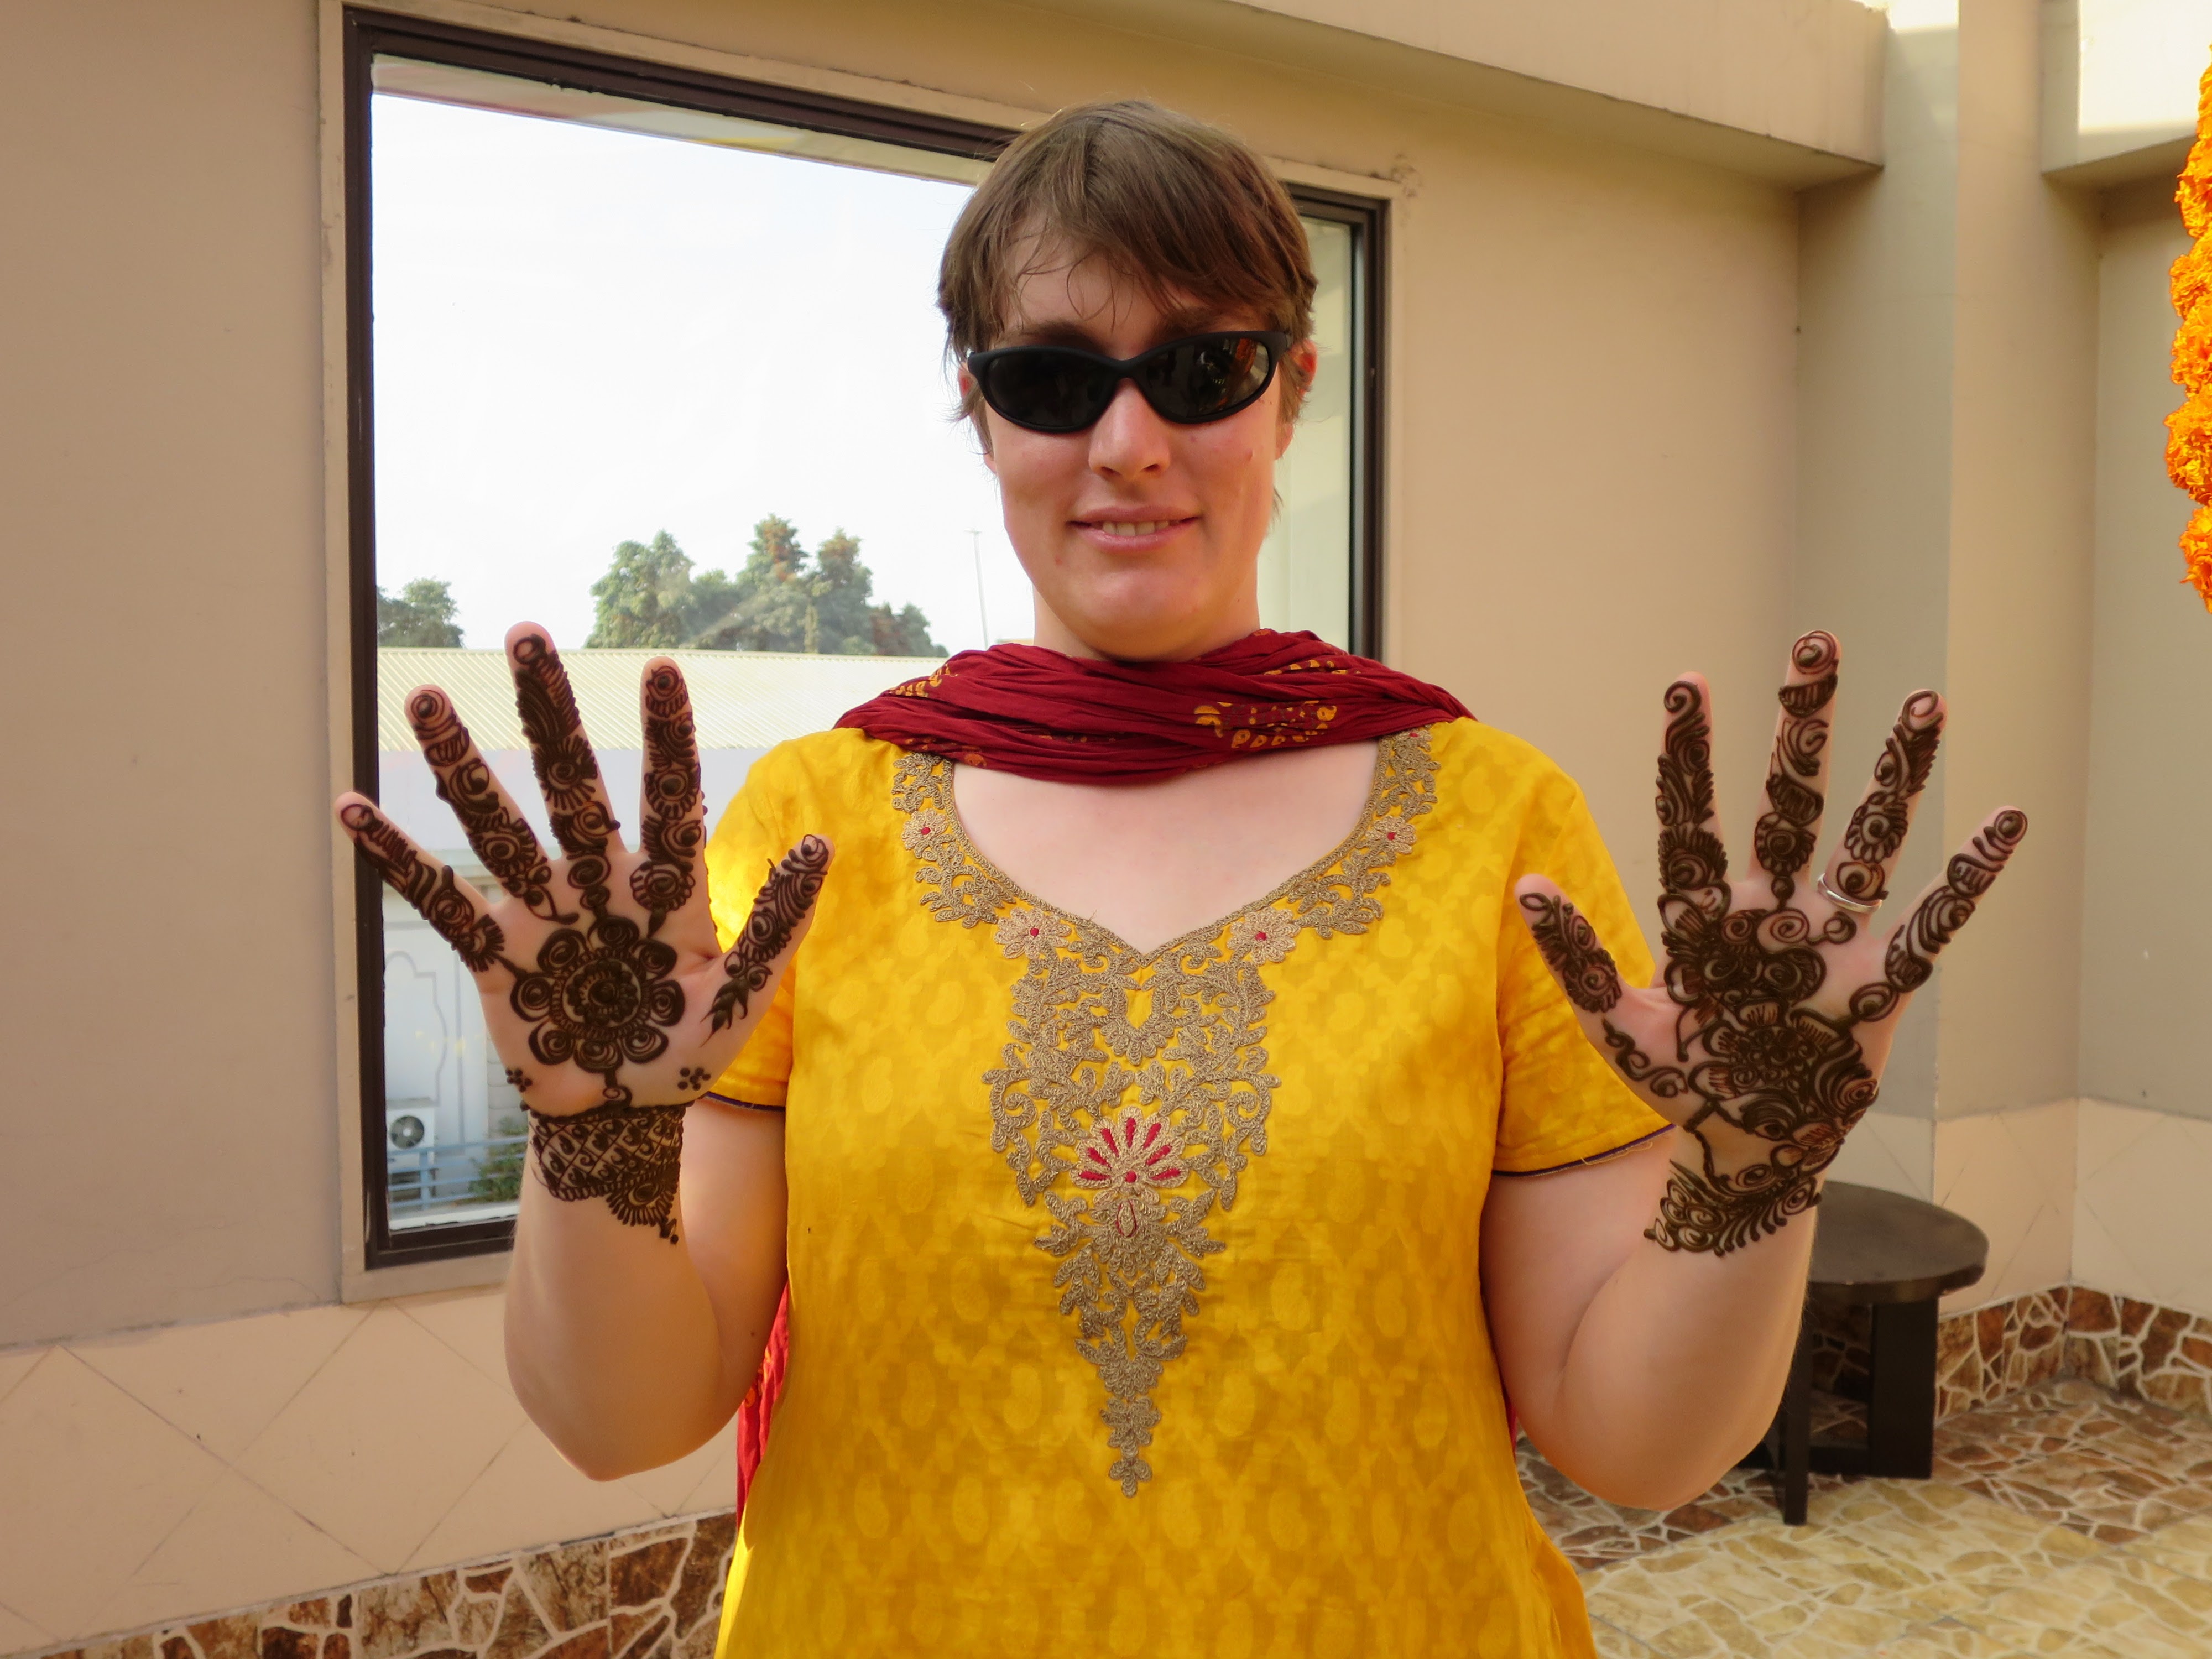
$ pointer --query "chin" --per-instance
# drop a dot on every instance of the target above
(1138, 627)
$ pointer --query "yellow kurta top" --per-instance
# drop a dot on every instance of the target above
(1135, 1304)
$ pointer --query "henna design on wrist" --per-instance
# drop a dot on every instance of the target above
(1571, 947)
(502, 838)
(1877, 829)
(630, 1155)
(427, 884)
(1785, 837)
(673, 830)
(784, 901)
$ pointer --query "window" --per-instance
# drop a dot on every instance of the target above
(622, 339)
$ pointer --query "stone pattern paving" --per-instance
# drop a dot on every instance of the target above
(2066, 1518)
(652, 1592)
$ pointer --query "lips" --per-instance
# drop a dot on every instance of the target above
(1134, 529)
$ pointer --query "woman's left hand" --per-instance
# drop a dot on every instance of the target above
(1766, 1035)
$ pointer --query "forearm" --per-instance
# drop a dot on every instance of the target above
(1676, 1367)
(1642, 1372)
(630, 1349)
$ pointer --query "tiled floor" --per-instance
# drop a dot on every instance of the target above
(2062, 1519)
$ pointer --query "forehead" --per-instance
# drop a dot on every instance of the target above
(1060, 293)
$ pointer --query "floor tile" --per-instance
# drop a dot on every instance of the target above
(1612, 1643)
(2101, 1496)
(2129, 1605)
(2069, 1414)
(1706, 1598)
(2185, 1546)
(1968, 1542)
(1946, 1638)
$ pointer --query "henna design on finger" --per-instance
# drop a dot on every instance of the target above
(1785, 837)
(1690, 857)
(673, 830)
(1877, 828)
(500, 834)
(1909, 961)
(630, 1155)
(567, 771)
(784, 901)
(1571, 947)
(429, 886)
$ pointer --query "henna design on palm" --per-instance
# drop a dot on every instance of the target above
(1749, 1042)
(602, 996)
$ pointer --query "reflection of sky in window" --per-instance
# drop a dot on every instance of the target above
(585, 336)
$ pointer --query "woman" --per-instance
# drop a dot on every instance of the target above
(1124, 1108)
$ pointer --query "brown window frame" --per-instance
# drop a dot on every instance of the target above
(369, 34)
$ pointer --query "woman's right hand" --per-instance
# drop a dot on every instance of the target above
(603, 981)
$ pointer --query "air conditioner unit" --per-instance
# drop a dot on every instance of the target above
(409, 1128)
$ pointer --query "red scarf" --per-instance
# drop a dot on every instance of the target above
(1073, 720)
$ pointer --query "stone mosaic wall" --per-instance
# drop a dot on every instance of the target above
(2141, 1349)
(2136, 1348)
(652, 1593)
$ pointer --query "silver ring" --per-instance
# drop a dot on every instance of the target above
(1858, 907)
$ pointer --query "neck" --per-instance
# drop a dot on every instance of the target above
(1172, 644)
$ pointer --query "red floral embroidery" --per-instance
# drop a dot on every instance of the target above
(1144, 1155)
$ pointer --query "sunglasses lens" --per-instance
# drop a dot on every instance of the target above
(1047, 391)
(1205, 377)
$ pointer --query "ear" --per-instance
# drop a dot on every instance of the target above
(1305, 357)
(981, 419)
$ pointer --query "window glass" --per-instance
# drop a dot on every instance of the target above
(1306, 562)
(663, 380)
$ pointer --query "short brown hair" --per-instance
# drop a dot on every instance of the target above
(1169, 202)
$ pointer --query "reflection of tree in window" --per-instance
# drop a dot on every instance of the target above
(783, 599)
(423, 615)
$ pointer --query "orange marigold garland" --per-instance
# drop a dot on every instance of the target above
(2189, 447)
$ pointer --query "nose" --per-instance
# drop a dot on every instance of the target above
(1130, 439)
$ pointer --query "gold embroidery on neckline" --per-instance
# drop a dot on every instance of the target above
(1129, 1130)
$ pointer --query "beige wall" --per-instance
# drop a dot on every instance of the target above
(1943, 520)
(170, 1124)
(2146, 979)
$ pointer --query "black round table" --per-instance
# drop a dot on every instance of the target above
(1896, 1256)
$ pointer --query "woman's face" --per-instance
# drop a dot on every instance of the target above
(1141, 537)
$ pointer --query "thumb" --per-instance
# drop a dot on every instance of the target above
(782, 912)
(1569, 944)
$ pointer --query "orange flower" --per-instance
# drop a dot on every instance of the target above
(2189, 450)
(2191, 278)
(2193, 193)
(2192, 349)
(2197, 549)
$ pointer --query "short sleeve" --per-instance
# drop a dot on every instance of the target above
(746, 846)
(1562, 1102)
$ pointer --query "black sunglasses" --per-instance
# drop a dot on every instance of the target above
(1204, 378)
